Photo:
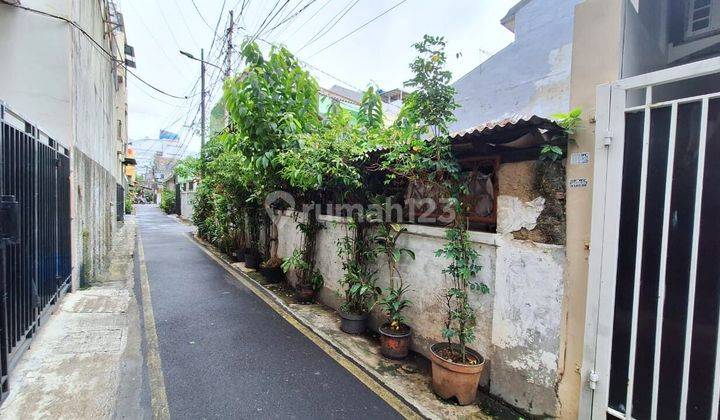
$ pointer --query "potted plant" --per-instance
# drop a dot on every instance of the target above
(272, 270)
(306, 292)
(395, 335)
(456, 369)
(309, 281)
(360, 290)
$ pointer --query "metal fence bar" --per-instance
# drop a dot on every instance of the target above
(638, 258)
(663, 259)
(34, 172)
(694, 256)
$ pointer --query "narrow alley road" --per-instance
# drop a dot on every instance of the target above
(225, 353)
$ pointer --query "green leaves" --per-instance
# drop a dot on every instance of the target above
(370, 114)
(463, 267)
(270, 103)
(569, 122)
(326, 159)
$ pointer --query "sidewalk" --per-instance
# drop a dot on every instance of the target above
(86, 361)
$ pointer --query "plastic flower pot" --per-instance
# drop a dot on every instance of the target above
(240, 255)
(395, 344)
(353, 323)
(252, 260)
(451, 379)
(304, 293)
(273, 274)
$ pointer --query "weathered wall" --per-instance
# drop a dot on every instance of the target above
(186, 204)
(95, 213)
(596, 60)
(518, 322)
(529, 76)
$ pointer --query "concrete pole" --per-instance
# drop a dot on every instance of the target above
(228, 56)
(202, 103)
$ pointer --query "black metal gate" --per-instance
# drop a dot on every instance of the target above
(35, 237)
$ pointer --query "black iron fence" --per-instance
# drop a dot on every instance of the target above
(35, 234)
(120, 203)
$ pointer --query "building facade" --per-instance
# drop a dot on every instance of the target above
(638, 328)
(65, 71)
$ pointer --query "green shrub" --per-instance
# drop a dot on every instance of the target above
(167, 201)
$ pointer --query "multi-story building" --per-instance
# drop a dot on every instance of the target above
(64, 72)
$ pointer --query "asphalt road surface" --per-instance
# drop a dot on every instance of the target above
(225, 353)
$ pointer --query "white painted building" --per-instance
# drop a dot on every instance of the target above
(63, 69)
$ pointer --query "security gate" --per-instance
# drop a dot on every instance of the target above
(651, 336)
(35, 234)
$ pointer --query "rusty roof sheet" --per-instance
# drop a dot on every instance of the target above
(506, 124)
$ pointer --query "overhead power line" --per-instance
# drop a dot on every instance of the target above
(360, 27)
(292, 16)
(308, 20)
(330, 24)
(95, 43)
(200, 14)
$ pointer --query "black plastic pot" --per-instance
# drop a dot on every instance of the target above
(353, 323)
(273, 274)
(395, 344)
(239, 255)
(252, 260)
(304, 293)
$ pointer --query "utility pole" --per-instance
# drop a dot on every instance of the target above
(228, 53)
(202, 103)
(228, 60)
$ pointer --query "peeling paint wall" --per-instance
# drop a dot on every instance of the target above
(529, 76)
(518, 322)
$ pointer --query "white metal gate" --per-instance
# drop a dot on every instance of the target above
(651, 333)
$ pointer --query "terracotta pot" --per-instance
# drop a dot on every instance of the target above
(252, 260)
(395, 344)
(451, 379)
(304, 293)
(353, 323)
(273, 274)
(240, 255)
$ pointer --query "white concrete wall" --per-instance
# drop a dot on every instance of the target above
(530, 76)
(187, 204)
(35, 75)
(518, 323)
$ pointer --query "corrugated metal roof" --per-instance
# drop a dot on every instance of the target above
(499, 132)
(510, 123)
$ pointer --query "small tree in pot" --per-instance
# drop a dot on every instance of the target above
(394, 334)
(310, 280)
(360, 291)
(456, 369)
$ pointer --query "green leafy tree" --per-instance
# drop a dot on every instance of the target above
(418, 144)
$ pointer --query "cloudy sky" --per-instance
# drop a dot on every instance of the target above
(377, 53)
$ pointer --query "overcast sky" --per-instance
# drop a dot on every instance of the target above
(378, 53)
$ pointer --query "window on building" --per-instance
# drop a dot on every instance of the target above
(703, 17)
